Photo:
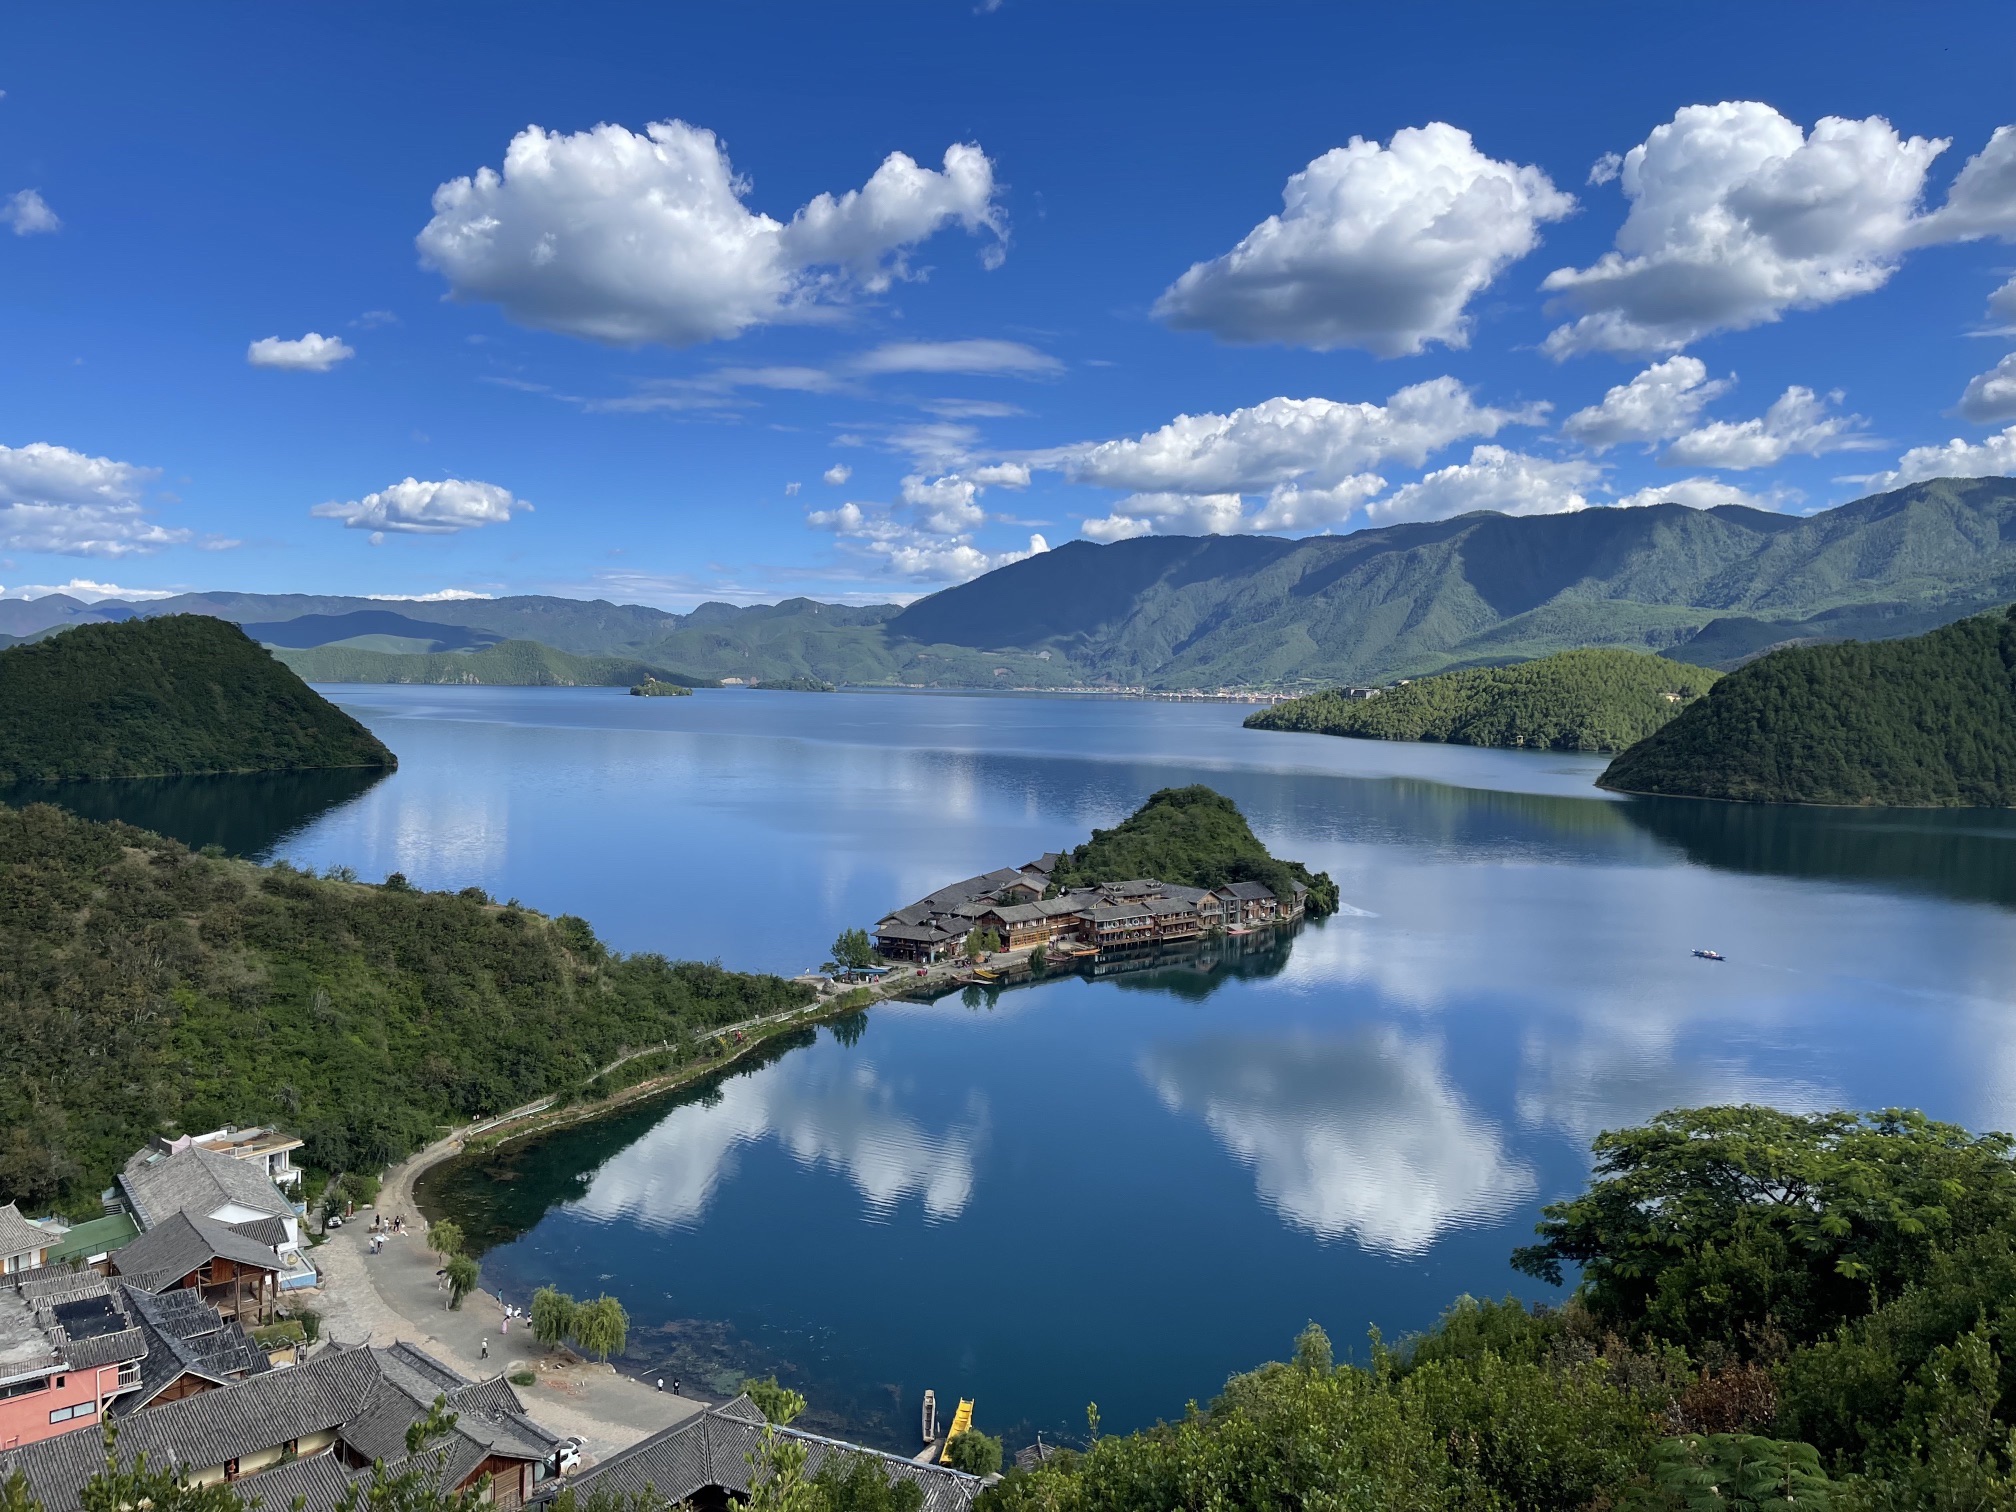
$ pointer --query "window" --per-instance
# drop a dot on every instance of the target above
(24, 1388)
(81, 1410)
(231, 1469)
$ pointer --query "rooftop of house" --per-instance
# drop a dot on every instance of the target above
(246, 1144)
(158, 1184)
(57, 1319)
(186, 1336)
(713, 1448)
(184, 1242)
(1247, 892)
(368, 1397)
(20, 1237)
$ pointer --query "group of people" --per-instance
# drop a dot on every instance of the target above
(383, 1229)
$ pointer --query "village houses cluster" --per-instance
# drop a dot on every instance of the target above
(1025, 909)
(150, 1318)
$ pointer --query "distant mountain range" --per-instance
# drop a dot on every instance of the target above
(1714, 587)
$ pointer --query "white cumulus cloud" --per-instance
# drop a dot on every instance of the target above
(1991, 396)
(1307, 442)
(86, 591)
(1380, 248)
(65, 502)
(1659, 403)
(2002, 304)
(1992, 458)
(313, 353)
(1510, 482)
(1737, 215)
(1799, 423)
(1699, 493)
(1169, 514)
(928, 535)
(28, 214)
(631, 238)
(432, 508)
(837, 474)
(1375, 246)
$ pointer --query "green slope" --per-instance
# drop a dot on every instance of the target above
(1924, 722)
(144, 988)
(510, 664)
(1413, 599)
(1570, 701)
(1193, 837)
(177, 695)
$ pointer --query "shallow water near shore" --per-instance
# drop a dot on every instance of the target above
(1123, 1189)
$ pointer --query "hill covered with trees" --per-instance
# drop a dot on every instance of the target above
(1712, 586)
(507, 664)
(1572, 701)
(145, 987)
(1193, 837)
(176, 695)
(1927, 722)
(1774, 1310)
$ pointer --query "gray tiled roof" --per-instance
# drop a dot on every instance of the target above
(181, 1243)
(270, 1232)
(713, 1449)
(199, 1181)
(186, 1336)
(20, 1237)
(1247, 892)
(1019, 913)
(319, 1482)
(1191, 895)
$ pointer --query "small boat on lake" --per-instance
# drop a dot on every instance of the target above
(1711, 955)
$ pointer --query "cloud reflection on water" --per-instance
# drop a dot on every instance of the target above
(841, 1117)
(1364, 1138)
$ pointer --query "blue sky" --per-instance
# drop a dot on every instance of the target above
(1390, 262)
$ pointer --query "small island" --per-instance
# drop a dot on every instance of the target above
(799, 684)
(1590, 700)
(1924, 722)
(175, 695)
(652, 687)
(1184, 865)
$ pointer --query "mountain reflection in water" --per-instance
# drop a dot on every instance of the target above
(247, 815)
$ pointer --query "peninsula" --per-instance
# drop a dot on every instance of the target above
(1183, 865)
(1928, 722)
(176, 695)
(1589, 700)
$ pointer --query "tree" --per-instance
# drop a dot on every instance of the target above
(1710, 1224)
(777, 1476)
(858, 1483)
(1039, 959)
(780, 1404)
(602, 1327)
(553, 1314)
(462, 1275)
(981, 942)
(445, 1238)
(975, 1453)
(15, 1495)
(416, 1486)
(853, 950)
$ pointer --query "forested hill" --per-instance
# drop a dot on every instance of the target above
(1708, 586)
(1193, 837)
(144, 987)
(1921, 723)
(514, 664)
(1405, 600)
(1571, 701)
(178, 695)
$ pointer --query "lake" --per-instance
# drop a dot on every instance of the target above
(1122, 1190)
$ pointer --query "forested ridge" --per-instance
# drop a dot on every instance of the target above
(1589, 700)
(178, 695)
(145, 987)
(1774, 1310)
(1193, 837)
(1928, 722)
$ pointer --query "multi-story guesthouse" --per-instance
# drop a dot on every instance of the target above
(1022, 907)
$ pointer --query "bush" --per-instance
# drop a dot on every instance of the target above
(524, 1378)
(975, 1453)
(779, 1404)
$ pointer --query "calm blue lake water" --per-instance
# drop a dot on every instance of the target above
(1123, 1190)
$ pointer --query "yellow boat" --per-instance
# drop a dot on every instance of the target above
(961, 1421)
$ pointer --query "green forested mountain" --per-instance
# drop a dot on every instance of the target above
(1570, 701)
(145, 987)
(1412, 599)
(508, 664)
(1774, 1311)
(177, 695)
(1193, 837)
(1709, 586)
(1925, 722)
